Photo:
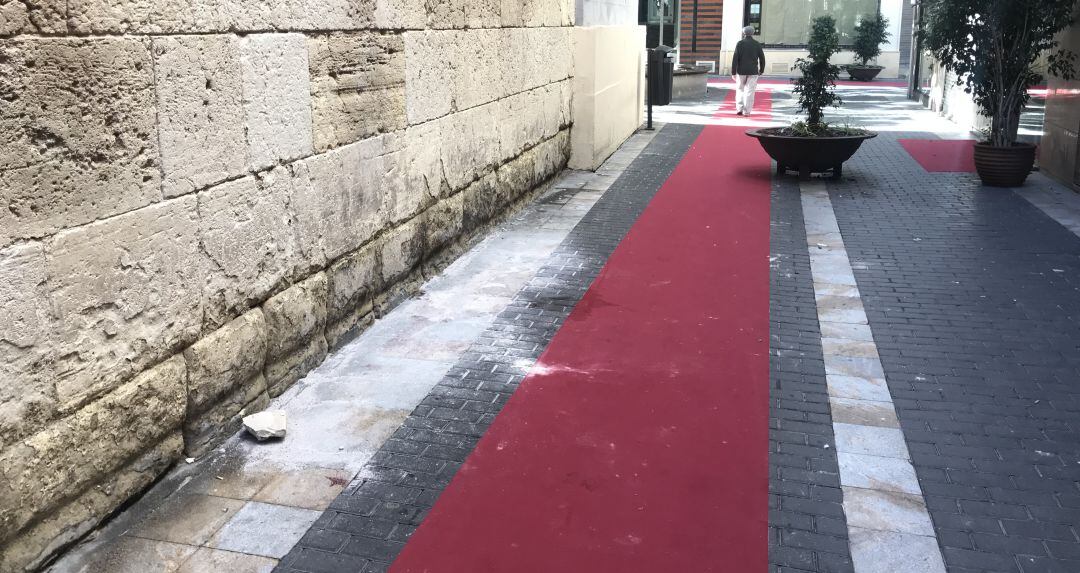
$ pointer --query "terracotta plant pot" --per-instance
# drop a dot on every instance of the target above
(1004, 166)
(863, 73)
(809, 154)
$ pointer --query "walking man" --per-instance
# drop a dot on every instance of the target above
(747, 64)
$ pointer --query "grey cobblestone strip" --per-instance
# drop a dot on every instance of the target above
(888, 524)
(807, 530)
(972, 294)
(368, 524)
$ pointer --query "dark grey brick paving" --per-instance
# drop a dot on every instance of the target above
(979, 336)
(367, 525)
(807, 530)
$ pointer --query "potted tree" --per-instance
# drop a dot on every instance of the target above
(813, 146)
(870, 34)
(992, 46)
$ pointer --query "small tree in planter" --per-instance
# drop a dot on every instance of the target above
(814, 146)
(993, 46)
(870, 34)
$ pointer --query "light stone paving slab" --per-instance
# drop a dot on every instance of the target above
(864, 412)
(853, 366)
(889, 552)
(858, 388)
(876, 472)
(344, 409)
(207, 560)
(870, 440)
(887, 511)
(248, 531)
(889, 527)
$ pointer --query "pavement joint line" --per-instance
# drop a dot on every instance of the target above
(879, 508)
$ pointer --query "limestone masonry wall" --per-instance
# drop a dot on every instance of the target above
(200, 198)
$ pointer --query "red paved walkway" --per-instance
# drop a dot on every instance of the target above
(639, 442)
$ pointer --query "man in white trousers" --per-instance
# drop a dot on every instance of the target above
(746, 65)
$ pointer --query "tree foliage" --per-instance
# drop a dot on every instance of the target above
(993, 47)
(817, 86)
(870, 34)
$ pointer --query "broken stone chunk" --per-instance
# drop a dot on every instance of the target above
(265, 425)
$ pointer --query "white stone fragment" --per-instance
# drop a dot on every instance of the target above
(268, 424)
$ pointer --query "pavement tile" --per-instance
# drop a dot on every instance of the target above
(309, 488)
(863, 412)
(247, 531)
(886, 511)
(870, 440)
(207, 560)
(136, 555)
(840, 309)
(892, 552)
(853, 366)
(187, 518)
(848, 347)
(878, 473)
(860, 332)
(858, 388)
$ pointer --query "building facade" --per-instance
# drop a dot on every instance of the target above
(783, 27)
(1059, 153)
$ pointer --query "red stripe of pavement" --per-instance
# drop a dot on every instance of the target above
(639, 441)
(942, 155)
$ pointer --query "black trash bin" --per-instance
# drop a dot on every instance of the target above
(660, 73)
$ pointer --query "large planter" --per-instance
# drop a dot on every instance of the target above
(1004, 166)
(808, 155)
(863, 73)
(689, 83)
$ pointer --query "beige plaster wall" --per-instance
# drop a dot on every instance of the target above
(200, 200)
(609, 91)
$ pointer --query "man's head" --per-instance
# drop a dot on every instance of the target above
(748, 31)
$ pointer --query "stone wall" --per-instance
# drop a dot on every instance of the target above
(201, 198)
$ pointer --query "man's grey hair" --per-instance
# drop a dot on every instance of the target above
(748, 31)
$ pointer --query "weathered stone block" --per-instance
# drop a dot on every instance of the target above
(443, 222)
(129, 290)
(551, 156)
(430, 77)
(352, 282)
(77, 132)
(248, 241)
(170, 16)
(470, 144)
(295, 320)
(358, 86)
(402, 249)
(68, 457)
(400, 14)
(277, 98)
(201, 115)
(481, 202)
(225, 374)
(512, 13)
(514, 49)
(37, 543)
(517, 176)
(424, 178)
(27, 398)
(483, 13)
(522, 121)
(445, 14)
(479, 67)
(340, 198)
(45, 17)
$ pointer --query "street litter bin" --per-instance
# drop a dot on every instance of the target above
(660, 72)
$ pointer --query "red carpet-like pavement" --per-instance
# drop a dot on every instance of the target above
(942, 155)
(639, 441)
